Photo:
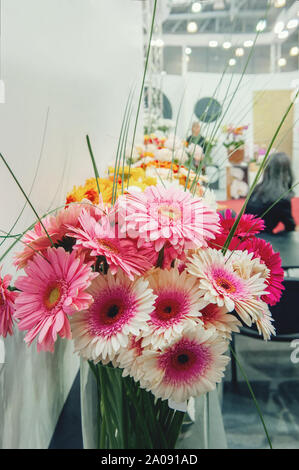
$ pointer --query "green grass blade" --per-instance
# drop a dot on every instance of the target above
(26, 197)
(253, 396)
(257, 177)
(34, 178)
(142, 84)
(94, 165)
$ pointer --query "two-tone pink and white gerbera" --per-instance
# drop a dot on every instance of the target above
(101, 238)
(217, 317)
(162, 215)
(235, 281)
(7, 306)
(189, 367)
(177, 306)
(53, 289)
(121, 308)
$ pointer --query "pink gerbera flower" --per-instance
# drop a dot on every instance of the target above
(7, 307)
(265, 253)
(234, 288)
(57, 227)
(162, 215)
(53, 288)
(102, 239)
(189, 367)
(176, 307)
(121, 308)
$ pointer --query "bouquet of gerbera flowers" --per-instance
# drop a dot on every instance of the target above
(149, 298)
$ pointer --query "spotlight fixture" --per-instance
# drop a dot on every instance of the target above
(192, 27)
(293, 23)
(239, 52)
(227, 45)
(278, 27)
(196, 7)
(282, 62)
(279, 3)
(294, 51)
(213, 44)
(248, 43)
(188, 50)
(283, 34)
(232, 62)
(261, 25)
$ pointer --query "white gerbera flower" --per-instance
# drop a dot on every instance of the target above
(121, 307)
(220, 283)
(189, 367)
(264, 324)
(176, 307)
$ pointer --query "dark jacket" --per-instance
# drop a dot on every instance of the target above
(281, 212)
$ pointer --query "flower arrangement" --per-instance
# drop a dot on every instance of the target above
(234, 136)
(148, 295)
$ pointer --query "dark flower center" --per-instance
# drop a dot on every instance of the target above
(183, 358)
(113, 311)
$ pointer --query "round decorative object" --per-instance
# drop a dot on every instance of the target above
(167, 108)
(207, 109)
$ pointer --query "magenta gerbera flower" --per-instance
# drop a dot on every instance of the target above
(101, 239)
(248, 226)
(7, 306)
(53, 288)
(264, 251)
(121, 308)
(189, 367)
(162, 215)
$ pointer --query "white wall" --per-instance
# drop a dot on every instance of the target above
(198, 85)
(79, 58)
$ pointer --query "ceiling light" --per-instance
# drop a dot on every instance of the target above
(239, 52)
(159, 43)
(279, 3)
(294, 51)
(248, 43)
(192, 27)
(196, 7)
(261, 25)
(278, 27)
(188, 50)
(227, 45)
(213, 43)
(293, 23)
(282, 62)
(232, 62)
(283, 34)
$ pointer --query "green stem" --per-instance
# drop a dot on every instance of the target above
(26, 197)
(253, 396)
(142, 85)
(94, 165)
